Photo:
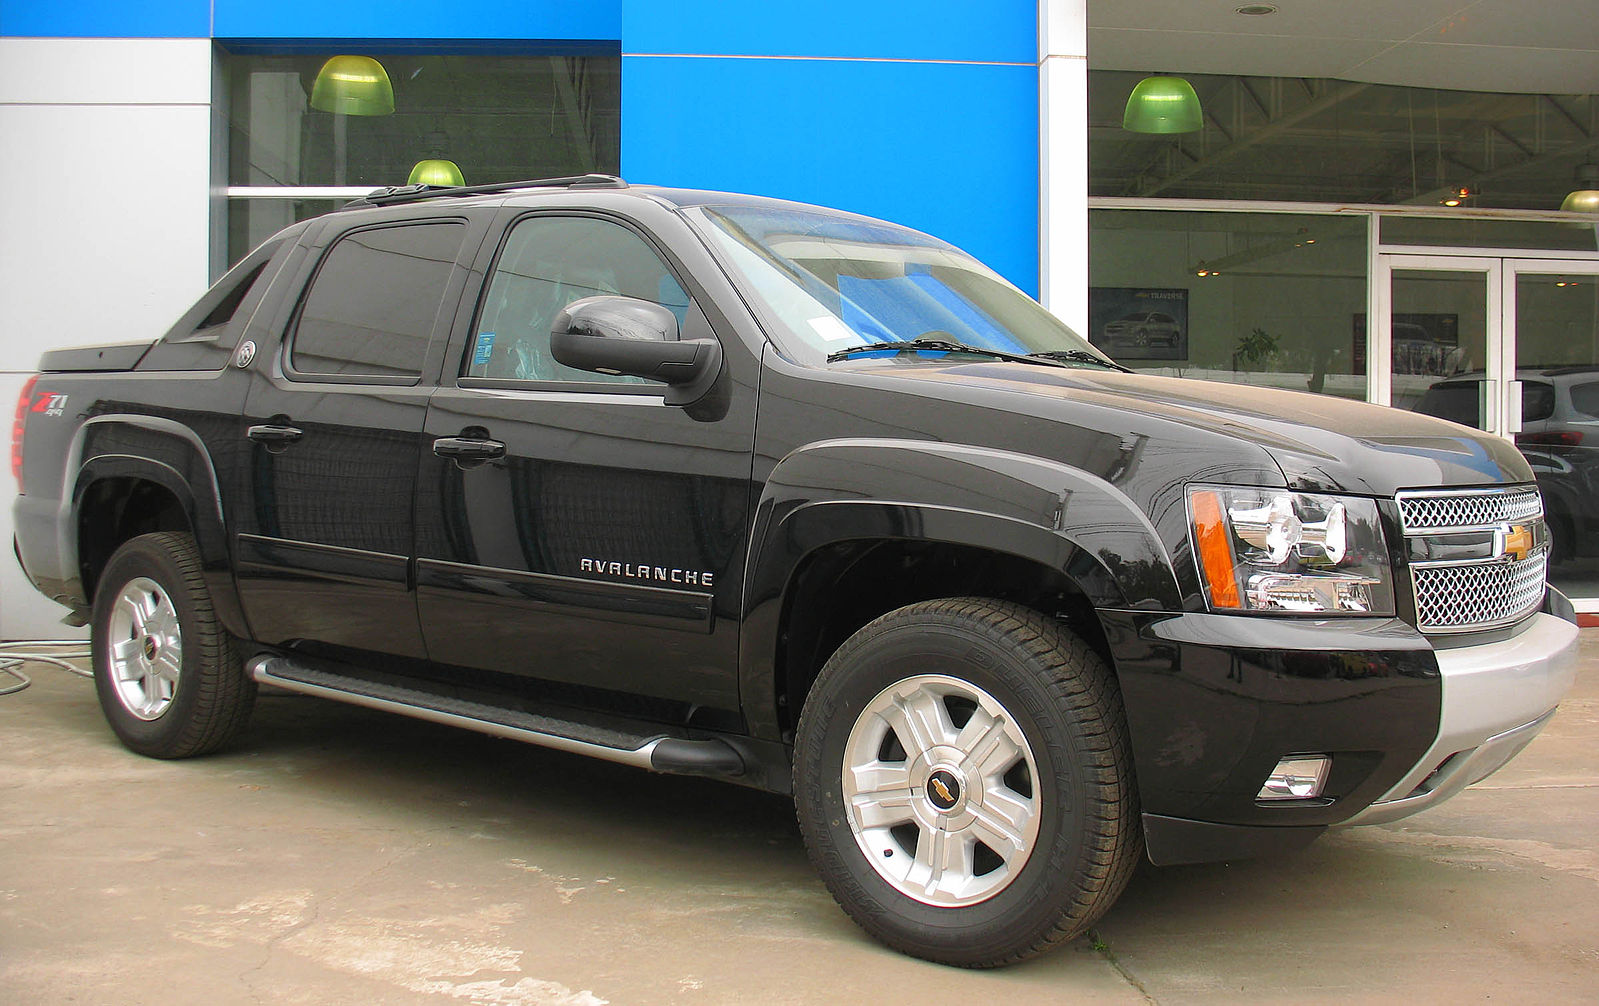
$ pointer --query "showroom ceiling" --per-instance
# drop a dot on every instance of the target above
(1383, 103)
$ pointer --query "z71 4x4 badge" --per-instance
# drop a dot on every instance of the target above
(48, 403)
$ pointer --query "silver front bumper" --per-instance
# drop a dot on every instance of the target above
(1496, 697)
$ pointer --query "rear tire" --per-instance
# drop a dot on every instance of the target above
(964, 784)
(169, 680)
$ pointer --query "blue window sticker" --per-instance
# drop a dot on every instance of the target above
(483, 349)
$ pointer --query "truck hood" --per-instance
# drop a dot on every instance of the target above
(1321, 443)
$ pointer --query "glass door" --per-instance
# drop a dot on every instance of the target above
(1551, 317)
(1438, 345)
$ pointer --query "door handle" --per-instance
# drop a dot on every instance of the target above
(468, 449)
(274, 435)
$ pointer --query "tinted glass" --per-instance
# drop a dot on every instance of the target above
(371, 307)
(499, 117)
(1585, 398)
(1274, 299)
(1342, 141)
(547, 263)
(1537, 401)
(1455, 401)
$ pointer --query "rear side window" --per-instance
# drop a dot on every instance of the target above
(372, 305)
(1537, 401)
(1585, 398)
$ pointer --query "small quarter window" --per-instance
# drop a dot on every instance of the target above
(372, 306)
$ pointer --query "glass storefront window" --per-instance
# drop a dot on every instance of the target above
(498, 117)
(1557, 362)
(252, 221)
(1292, 139)
(1468, 233)
(1272, 299)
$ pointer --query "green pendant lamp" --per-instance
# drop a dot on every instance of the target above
(353, 85)
(436, 171)
(1585, 197)
(1163, 105)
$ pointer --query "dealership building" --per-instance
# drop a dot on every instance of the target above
(1388, 202)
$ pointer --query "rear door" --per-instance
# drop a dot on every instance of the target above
(599, 541)
(331, 436)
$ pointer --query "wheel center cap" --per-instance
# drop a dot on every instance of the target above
(151, 648)
(943, 791)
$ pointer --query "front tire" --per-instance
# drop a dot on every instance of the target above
(169, 681)
(964, 784)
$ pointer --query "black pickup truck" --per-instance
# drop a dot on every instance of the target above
(721, 485)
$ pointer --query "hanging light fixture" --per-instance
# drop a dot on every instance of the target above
(436, 171)
(353, 85)
(1163, 105)
(1585, 197)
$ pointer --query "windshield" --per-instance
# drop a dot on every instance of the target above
(831, 282)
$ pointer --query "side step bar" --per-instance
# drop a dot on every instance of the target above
(656, 752)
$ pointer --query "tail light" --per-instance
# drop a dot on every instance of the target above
(17, 427)
(1551, 438)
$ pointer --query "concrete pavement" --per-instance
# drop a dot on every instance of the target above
(339, 855)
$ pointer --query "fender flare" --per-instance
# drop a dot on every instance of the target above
(179, 462)
(838, 491)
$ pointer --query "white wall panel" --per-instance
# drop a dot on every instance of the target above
(105, 71)
(104, 216)
(113, 246)
(1063, 160)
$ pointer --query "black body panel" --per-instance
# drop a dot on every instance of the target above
(498, 540)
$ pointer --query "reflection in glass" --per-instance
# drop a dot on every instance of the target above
(1440, 340)
(252, 221)
(1274, 299)
(500, 117)
(1557, 361)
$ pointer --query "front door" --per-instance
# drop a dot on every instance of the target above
(573, 528)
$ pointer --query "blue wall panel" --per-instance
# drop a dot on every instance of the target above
(387, 19)
(105, 18)
(951, 149)
(999, 31)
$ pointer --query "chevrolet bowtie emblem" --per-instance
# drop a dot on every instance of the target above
(943, 790)
(1518, 542)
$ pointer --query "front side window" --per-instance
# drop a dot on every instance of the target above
(547, 263)
(371, 307)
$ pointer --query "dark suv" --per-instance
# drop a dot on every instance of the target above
(713, 484)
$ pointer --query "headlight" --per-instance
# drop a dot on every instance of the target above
(1275, 550)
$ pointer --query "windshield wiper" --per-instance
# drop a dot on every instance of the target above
(1079, 356)
(933, 346)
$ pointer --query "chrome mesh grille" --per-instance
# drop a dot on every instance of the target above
(1476, 593)
(1457, 510)
(1465, 596)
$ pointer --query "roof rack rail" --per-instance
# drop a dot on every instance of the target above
(391, 194)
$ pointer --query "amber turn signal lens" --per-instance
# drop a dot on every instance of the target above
(1215, 551)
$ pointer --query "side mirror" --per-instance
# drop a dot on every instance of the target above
(625, 335)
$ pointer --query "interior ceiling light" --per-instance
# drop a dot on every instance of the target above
(1585, 197)
(1256, 9)
(1163, 105)
(436, 171)
(353, 85)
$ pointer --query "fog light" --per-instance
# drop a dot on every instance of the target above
(1298, 778)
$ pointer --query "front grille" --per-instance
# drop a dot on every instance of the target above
(1459, 596)
(1493, 588)
(1456, 511)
